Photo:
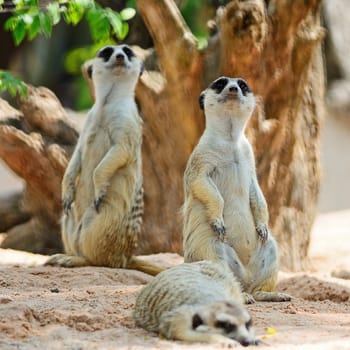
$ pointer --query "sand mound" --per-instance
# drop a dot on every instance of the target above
(311, 288)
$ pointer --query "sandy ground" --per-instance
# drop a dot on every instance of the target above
(91, 308)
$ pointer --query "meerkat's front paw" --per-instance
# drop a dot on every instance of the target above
(262, 232)
(218, 227)
(228, 343)
(248, 298)
(99, 199)
(68, 199)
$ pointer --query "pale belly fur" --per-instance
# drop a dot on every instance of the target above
(233, 182)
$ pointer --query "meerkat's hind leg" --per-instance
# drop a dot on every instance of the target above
(64, 260)
(68, 234)
(226, 253)
(271, 296)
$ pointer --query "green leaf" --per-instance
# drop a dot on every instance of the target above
(75, 12)
(45, 24)
(11, 23)
(53, 11)
(85, 4)
(127, 13)
(35, 28)
(124, 32)
(19, 32)
(114, 20)
(12, 84)
(27, 19)
(99, 25)
(22, 89)
(18, 3)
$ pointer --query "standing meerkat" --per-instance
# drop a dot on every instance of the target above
(102, 189)
(197, 302)
(225, 212)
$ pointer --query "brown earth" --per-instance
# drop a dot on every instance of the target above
(91, 308)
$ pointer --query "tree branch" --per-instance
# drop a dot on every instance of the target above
(286, 16)
(44, 112)
(310, 35)
(175, 44)
(243, 31)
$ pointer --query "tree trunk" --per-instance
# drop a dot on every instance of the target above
(277, 49)
(276, 46)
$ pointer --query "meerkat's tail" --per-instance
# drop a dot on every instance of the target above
(144, 266)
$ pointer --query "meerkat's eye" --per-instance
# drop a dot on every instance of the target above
(196, 321)
(249, 324)
(227, 326)
(106, 53)
(128, 52)
(243, 86)
(219, 85)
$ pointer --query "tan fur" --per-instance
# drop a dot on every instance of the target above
(197, 302)
(102, 187)
(225, 212)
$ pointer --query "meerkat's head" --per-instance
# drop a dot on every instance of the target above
(227, 318)
(114, 65)
(228, 97)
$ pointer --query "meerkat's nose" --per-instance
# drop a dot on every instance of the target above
(120, 57)
(245, 342)
(233, 89)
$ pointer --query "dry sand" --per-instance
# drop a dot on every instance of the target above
(91, 308)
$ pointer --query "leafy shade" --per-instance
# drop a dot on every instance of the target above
(12, 84)
(30, 19)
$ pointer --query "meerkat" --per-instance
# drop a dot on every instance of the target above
(225, 212)
(102, 188)
(196, 302)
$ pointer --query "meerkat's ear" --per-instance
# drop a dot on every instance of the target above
(142, 68)
(196, 321)
(201, 99)
(86, 69)
(89, 71)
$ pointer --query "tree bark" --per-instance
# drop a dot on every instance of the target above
(36, 143)
(275, 45)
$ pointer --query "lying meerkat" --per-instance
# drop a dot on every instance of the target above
(102, 187)
(197, 302)
(225, 212)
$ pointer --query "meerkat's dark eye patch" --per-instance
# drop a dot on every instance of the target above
(201, 100)
(249, 324)
(219, 85)
(243, 86)
(128, 52)
(106, 53)
(226, 326)
(196, 321)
